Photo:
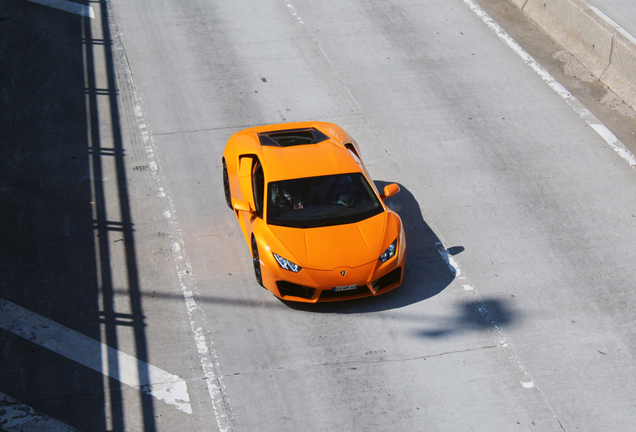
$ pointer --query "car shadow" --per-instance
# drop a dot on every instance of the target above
(472, 316)
(427, 270)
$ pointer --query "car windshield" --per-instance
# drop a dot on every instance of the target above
(321, 201)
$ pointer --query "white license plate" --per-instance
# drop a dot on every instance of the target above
(344, 288)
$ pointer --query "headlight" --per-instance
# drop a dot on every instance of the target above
(389, 252)
(286, 264)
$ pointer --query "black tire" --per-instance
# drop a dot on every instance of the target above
(257, 263)
(226, 186)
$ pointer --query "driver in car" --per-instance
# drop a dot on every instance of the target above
(285, 200)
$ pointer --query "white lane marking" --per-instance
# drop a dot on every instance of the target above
(68, 6)
(198, 322)
(294, 13)
(574, 103)
(449, 260)
(95, 355)
(453, 267)
(611, 22)
(16, 416)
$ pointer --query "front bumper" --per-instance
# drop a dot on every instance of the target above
(312, 286)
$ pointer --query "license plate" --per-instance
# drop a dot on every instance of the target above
(344, 288)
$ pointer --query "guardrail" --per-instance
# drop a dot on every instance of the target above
(600, 44)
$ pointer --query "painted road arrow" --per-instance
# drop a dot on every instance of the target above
(95, 355)
(67, 6)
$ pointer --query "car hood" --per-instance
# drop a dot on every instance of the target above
(326, 248)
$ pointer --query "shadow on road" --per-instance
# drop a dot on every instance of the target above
(427, 270)
(474, 315)
(58, 89)
(427, 273)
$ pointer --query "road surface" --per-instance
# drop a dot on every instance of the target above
(128, 297)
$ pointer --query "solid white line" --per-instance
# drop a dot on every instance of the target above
(67, 6)
(95, 355)
(589, 118)
(196, 315)
(198, 321)
(613, 23)
(574, 103)
(16, 416)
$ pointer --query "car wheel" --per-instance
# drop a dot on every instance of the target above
(226, 186)
(257, 263)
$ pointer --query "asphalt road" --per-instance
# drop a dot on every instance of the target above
(127, 295)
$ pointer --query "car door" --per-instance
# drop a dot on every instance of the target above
(252, 183)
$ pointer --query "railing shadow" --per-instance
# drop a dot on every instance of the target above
(58, 91)
(427, 271)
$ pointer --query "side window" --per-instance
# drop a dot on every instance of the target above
(258, 186)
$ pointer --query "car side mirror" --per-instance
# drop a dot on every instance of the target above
(243, 206)
(390, 190)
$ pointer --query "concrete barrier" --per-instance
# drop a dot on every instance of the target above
(596, 41)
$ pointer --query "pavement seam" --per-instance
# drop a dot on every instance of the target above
(367, 362)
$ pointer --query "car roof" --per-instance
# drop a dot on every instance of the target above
(326, 157)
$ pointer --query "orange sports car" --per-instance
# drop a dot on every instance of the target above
(316, 225)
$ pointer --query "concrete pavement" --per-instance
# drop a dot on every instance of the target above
(621, 11)
(597, 40)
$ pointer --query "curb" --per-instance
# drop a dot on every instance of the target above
(600, 44)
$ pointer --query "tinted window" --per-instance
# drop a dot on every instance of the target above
(321, 201)
(292, 137)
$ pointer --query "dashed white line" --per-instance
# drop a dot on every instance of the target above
(294, 13)
(449, 260)
(587, 116)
